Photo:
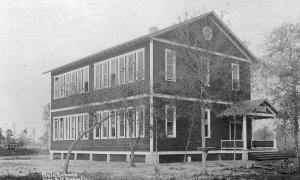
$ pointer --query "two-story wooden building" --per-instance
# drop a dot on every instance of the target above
(147, 59)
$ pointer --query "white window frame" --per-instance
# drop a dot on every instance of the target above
(133, 68)
(141, 109)
(56, 87)
(103, 123)
(115, 69)
(55, 120)
(123, 70)
(67, 84)
(71, 127)
(238, 76)
(119, 124)
(65, 88)
(118, 69)
(79, 81)
(67, 127)
(207, 78)
(137, 64)
(208, 123)
(85, 119)
(110, 124)
(85, 78)
(77, 125)
(61, 129)
(174, 121)
(167, 65)
(98, 119)
(97, 79)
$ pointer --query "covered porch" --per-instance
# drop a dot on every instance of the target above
(245, 113)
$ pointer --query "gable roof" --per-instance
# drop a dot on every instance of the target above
(246, 107)
(144, 38)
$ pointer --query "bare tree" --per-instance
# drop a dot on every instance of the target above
(202, 75)
(282, 72)
(131, 98)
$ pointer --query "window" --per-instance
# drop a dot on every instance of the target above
(73, 126)
(140, 67)
(73, 82)
(207, 72)
(131, 123)
(76, 81)
(55, 134)
(85, 125)
(130, 67)
(122, 69)
(112, 125)
(79, 81)
(140, 122)
(56, 88)
(62, 86)
(170, 115)
(235, 77)
(79, 125)
(97, 130)
(86, 79)
(105, 74)
(97, 76)
(67, 128)
(121, 126)
(67, 84)
(170, 65)
(119, 70)
(105, 122)
(113, 72)
(61, 128)
(207, 123)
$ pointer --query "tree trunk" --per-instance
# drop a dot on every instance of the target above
(156, 137)
(65, 169)
(188, 140)
(234, 141)
(132, 164)
(203, 141)
(132, 145)
(296, 139)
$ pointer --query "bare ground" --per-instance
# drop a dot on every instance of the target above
(23, 165)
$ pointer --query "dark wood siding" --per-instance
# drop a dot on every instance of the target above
(219, 129)
(226, 90)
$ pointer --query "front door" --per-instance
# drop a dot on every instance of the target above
(239, 131)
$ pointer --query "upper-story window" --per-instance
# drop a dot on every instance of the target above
(73, 82)
(207, 123)
(118, 70)
(235, 77)
(203, 66)
(170, 65)
(170, 115)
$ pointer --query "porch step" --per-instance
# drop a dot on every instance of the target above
(264, 156)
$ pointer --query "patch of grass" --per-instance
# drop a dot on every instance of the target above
(30, 176)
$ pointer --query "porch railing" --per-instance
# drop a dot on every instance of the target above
(262, 144)
(229, 144)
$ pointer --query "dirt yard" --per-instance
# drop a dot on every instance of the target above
(23, 165)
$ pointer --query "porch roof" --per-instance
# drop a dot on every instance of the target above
(259, 109)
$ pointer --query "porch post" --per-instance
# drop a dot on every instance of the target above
(244, 133)
(275, 140)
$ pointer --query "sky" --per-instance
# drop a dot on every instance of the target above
(39, 35)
